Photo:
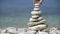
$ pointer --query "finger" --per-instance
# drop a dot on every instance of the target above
(41, 1)
(34, 1)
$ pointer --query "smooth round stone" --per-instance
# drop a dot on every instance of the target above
(53, 32)
(40, 18)
(37, 4)
(46, 30)
(31, 32)
(22, 30)
(5, 33)
(4, 30)
(36, 9)
(38, 27)
(22, 33)
(35, 16)
(58, 31)
(39, 32)
(36, 12)
(0, 30)
(11, 30)
(36, 23)
(32, 20)
(43, 21)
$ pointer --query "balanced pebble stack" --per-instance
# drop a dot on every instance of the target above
(37, 22)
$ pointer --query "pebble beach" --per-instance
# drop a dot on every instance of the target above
(13, 30)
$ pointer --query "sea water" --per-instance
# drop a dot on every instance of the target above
(20, 20)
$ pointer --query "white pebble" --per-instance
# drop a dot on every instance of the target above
(35, 12)
(39, 32)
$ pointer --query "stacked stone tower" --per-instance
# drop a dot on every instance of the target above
(37, 22)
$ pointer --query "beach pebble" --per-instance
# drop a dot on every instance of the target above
(0, 30)
(11, 30)
(31, 32)
(35, 16)
(36, 12)
(39, 32)
(22, 33)
(38, 27)
(40, 18)
(22, 30)
(46, 30)
(33, 20)
(4, 33)
(58, 31)
(43, 21)
(35, 9)
(53, 30)
(36, 4)
(36, 23)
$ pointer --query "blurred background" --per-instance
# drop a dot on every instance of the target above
(16, 13)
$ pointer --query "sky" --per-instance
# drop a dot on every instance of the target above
(54, 4)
